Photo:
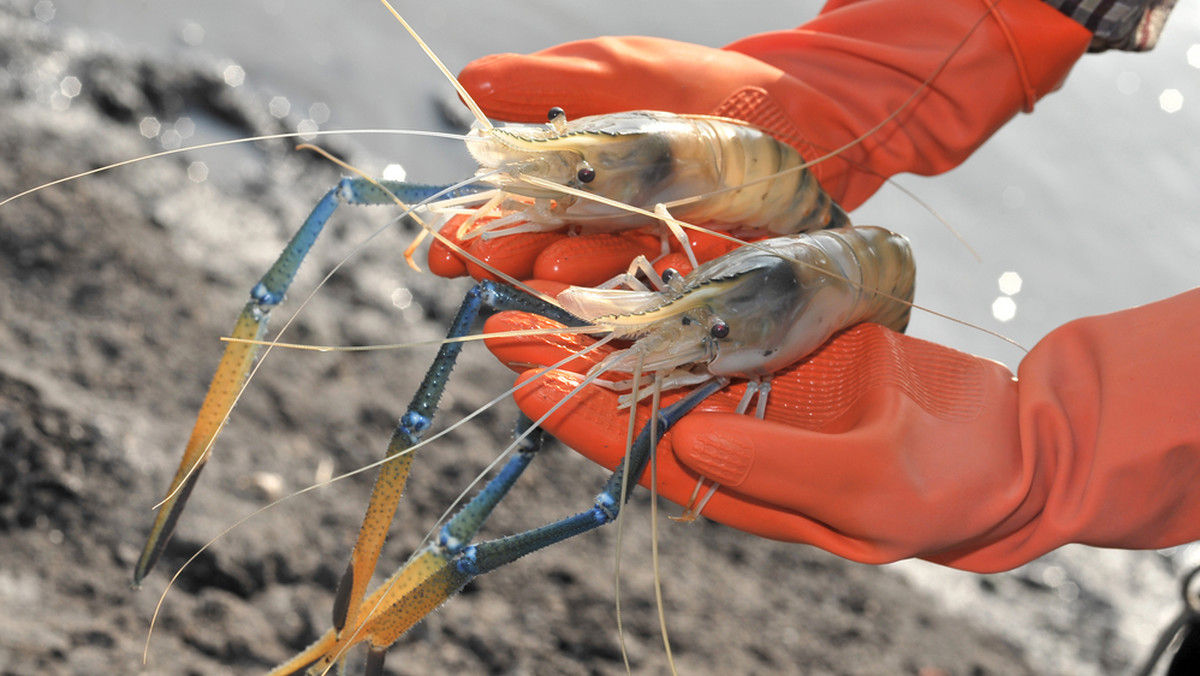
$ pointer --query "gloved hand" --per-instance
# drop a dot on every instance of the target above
(819, 87)
(880, 446)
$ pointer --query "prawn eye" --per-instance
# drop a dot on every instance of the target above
(669, 273)
(555, 113)
(586, 175)
(719, 330)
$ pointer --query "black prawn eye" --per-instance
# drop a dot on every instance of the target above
(719, 330)
(668, 273)
(586, 175)
(555, 113)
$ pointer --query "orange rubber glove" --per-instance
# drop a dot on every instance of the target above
(880, 446)
(819, 87)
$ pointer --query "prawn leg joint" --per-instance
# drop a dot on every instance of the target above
(238, 359)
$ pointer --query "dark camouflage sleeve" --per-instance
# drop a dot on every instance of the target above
(1129, 25)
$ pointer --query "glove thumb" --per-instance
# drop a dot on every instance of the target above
(609, 74)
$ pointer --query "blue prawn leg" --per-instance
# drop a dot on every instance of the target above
(393, 475)
(239, 357)
(445, 566)
(488, 556)
(382, 624)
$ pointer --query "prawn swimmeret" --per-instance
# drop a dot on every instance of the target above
(745, 314)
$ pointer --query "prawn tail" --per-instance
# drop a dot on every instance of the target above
(887, 275)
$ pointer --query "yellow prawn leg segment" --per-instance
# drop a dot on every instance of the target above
(412, 426)
(421, 585)
(231, 376)
(222, 393)
(446, 566)
(239, 358)
(320, 648)
(381, 508)
(395, 607)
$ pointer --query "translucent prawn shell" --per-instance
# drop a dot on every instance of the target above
(780, 300)
(630, 154)
(644, 158)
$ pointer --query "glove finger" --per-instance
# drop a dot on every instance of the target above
(829, 477)
(906, 446)
(443, 260)
(520, 353)
(587, 420)
(816, 393)
(514, 255)
(819, 409)
(591, 422)
(604, 75)
(590, 260)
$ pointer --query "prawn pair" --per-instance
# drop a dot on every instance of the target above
(745, 314)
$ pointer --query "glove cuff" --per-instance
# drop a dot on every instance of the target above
(1107, 407)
